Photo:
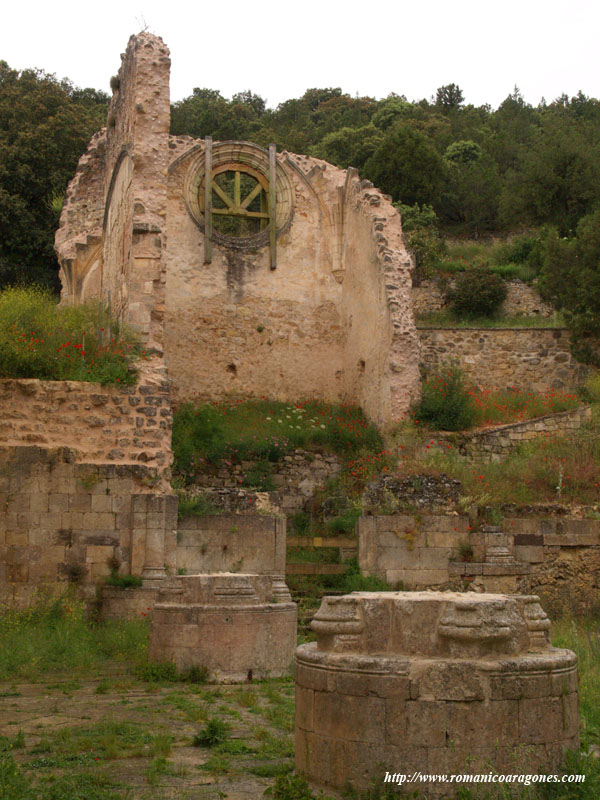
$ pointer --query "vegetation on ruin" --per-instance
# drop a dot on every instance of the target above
(552, 468)
(447, 319)
(57, 636)
(39, 339)
(119, 735)
(263, 432)
(449, 403)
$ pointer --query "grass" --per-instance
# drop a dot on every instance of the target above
(264, 431)
(548, 469)
(55, 636)
(446, 319)
(39, 339)
(519, 257)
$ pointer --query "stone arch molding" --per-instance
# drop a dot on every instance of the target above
(256, 160)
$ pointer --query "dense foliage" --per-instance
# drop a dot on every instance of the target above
(39, 339)
(45, 125)
(466, 170)
(478, 293)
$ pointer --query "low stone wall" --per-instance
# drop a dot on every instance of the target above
(494, 443)
(295, 477)
(103, 424)
(531, 359)
(521, 299)
(557, 557)
(65, 521)
(231, 543)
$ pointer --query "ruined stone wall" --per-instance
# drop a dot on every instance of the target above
(331, 321)
(102, 424)
(234, 325)
(295, 478)
(231, 543)
(557, 557)
(381, 352)
(492, 444)
(67, 522)
(126, 166)
(526, 358)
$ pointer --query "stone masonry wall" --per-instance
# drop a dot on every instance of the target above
(381, 353)
(295, 477)
(115, 250)
(557, 557)
(64, 521)
(521, 299)
(525, 358)
(114, 424)
(331, 320)
(231, 543)
(494, 443)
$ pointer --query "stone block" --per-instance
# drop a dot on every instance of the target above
(102, 503)
(99, 521)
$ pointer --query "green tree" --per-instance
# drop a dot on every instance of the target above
(407, 166)
(349, 147)
(44, 128)
(571, 281)
(449, 96)
(557, 177)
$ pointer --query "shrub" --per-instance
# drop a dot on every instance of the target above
(445, 403)
(477, 293)
(215, 732)
(354, 581)
(345, 523)
(124, 581)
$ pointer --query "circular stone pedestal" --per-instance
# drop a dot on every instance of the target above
(403, 682)
(236, 626)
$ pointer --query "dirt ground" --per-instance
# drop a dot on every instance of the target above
(138, 737)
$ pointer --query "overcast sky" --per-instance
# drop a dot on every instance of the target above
(278, 50)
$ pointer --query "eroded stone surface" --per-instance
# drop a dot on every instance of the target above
(430, 681)
(237, 626)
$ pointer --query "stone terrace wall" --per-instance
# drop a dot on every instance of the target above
(295, 477)
(521, 299)
(122, 425)
(557, 557)
(526, 358)
(494, 443)
(63, 521)
(232, 543)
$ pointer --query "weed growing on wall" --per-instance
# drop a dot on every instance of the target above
(532, 473)
(39, 339)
